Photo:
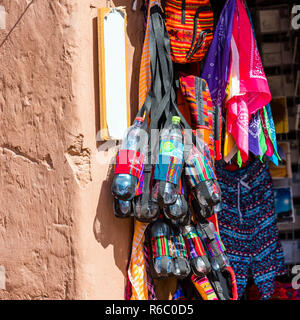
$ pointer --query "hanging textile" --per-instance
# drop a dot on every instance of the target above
(145, 69)
(216, 66)
(254, 133)
(268, 120)
(252, 91)
(272, 133)
(248, 226)
(204, 288)
(150, 282)
(137, 272)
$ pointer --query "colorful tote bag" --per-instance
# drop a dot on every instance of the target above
(190, 27)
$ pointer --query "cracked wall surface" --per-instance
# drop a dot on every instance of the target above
(58, 236)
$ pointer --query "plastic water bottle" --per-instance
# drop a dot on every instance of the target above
(177, 210)
(122, 209)
(162, 260)
(152, 213)
(196, 253)
(128, 169)
(208, 193)
(221, 247)
(214, 245)
(201, 178)
(171, 145)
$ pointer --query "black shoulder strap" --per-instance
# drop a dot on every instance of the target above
(158, 99)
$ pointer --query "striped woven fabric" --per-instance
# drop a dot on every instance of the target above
(150, 282)
(128, 289)
(219, 242)
(160, 246)
(140, 184)
(130, 162)
(202, 112)
(194, 245)
(209, 248)
(204, 287)
(190, 27)
(198, 168)
(178, 244)
(168, 170)
(145, 71)
(137, 272)
(171, 247)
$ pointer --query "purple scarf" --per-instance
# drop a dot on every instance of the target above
(254, 131)
(217, 63)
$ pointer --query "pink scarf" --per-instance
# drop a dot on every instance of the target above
(251, 87)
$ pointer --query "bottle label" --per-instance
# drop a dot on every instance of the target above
(171, 148)
(168, 169)
(160, 247)
(194, 245)
(198, 168)
(130, 162)
(170, 161)
(140, 185)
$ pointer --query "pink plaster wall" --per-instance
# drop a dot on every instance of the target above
(58, 235)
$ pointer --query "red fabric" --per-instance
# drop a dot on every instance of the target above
(201, 114)
(233, 283)
(214, 220)
(283, 291)
(130, 162)
(181, 34)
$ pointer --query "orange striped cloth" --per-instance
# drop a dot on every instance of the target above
(186, 46)
(145, 71)
(204, 287)
(137, 272)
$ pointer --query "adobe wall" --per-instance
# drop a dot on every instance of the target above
(58, 235)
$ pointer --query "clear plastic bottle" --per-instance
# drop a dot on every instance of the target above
(162, 260)
(177, 210)
(197, 255)
(122, 209)
(124, 184)
(152, 213)
(201, 178)
(171, 145)
(214, 245)
(220, 245)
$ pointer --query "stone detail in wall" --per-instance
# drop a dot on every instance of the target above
(79, 159)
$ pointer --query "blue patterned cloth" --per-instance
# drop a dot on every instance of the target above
(248, 227)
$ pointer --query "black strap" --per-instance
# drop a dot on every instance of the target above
(199, 43)
(215, 281)
(162, 96)
(183, 12)
(159, 95)
(201, 36)
(204, 225)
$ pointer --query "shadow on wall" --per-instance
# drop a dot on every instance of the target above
(109, 230)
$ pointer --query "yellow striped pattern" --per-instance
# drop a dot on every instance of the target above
(137, 272)
(145, 71)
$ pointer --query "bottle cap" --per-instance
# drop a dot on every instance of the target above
(175, 120)
(141, 119)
